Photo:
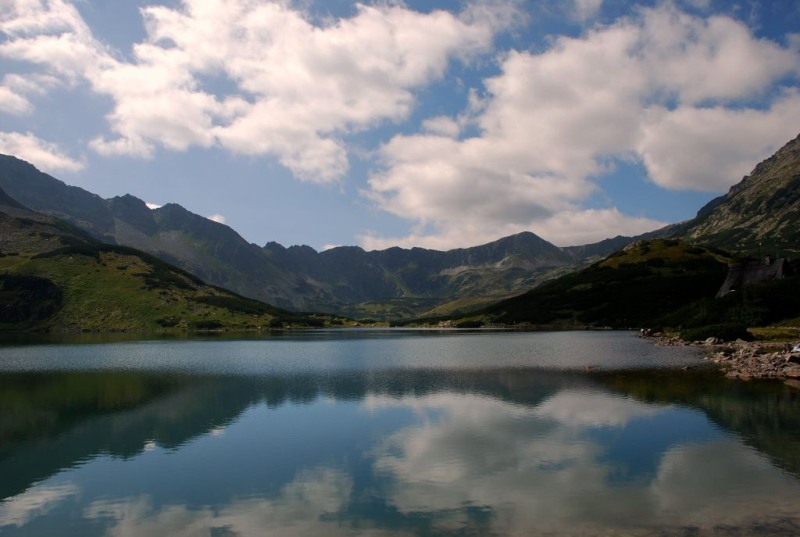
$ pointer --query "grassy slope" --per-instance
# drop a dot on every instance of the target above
(123, 291)
(52, 277)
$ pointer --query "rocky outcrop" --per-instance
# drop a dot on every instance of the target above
(754, 271)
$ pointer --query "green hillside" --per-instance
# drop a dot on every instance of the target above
(769, 308)
(54, 278)
(631, 288)
(97, 287)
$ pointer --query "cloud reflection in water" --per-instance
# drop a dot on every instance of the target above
(537, 469)
(555, 455)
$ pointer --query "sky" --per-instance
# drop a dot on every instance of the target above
(432, 123)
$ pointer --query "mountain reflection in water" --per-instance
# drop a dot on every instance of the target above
(484, 451)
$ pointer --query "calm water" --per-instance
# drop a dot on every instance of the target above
(391, 433)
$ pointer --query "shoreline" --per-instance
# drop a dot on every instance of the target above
(747, 360)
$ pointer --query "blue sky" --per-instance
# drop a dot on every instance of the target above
(439, 124)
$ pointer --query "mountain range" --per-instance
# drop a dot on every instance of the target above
(392, 283)
(56, 277)
(758, 214)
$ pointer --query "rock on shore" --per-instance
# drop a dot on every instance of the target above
(748, 360)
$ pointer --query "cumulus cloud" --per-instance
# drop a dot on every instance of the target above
(217, 218)
(662, 87)
(50, 34)
(46, 155)
(12, 102)
(292, 88)
(696, 100)
(16, 91)
(586, 9)
(713, 147)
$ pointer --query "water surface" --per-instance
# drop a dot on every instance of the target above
(391, 433)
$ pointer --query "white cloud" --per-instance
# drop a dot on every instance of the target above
(586, 9)
(50, 34)
(294, 88)
(152, 206)
(132, 146)
(13, 103)
(260, 77)
(217, 218)
(709, 148)
(662, 87)
(566, 227)
(710, 58)
(583, 226)
(442, 125)
(16, 90)
(46, 155)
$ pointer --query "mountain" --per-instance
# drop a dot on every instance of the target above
(759, 215)
(400, 282)
(631, 288)
(391, 283)
(209, 250)
(664, 283)
(671, 275)
(55, 277)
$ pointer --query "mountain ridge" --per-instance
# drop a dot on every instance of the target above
(346, 279)
(758, 214)
(56, 277)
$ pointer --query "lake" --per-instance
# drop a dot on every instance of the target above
(391, 432)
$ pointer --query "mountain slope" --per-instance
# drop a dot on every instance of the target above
(760, 214)
(390, 283)
(633, 287)
(407, 281)
(209, 250)
(53, 277)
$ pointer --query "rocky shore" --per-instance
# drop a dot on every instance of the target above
(746, 360)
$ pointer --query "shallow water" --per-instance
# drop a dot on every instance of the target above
(391, 433)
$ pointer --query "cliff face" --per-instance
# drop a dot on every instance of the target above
(754, 271)
(761, 213)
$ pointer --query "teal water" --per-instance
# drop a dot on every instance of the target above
(391, 433)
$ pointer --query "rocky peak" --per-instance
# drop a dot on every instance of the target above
(760, 213)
